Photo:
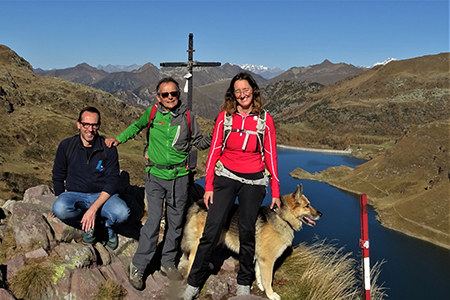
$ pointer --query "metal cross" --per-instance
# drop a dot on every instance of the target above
(190, 64)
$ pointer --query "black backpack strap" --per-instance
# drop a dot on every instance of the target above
(151, 117)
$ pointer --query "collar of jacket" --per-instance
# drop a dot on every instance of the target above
(181, 108)
(95, 147)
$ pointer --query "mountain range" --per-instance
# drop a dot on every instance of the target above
(264, 71)
(137, 87)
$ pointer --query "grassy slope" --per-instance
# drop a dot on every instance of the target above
(409, 184)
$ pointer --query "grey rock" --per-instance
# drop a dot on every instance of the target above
(5, 295)
(7, 207)
(29, 225)
(33, 192)
(36, 253)
(45, 201)
(13, 265)
(63, 232)
(229, 265)
(104, 255)
(77, 255)
(246, 297)
(61, 284)
(3, 230)
(85, 283)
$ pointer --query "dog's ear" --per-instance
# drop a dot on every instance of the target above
(299, 191)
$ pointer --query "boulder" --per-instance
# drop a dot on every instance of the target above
(36, 253)
(29, 225)
(61, 283)
(76, 255)
(104, 257)
(5, 295)
(13, 265)
(85, 283)
(36, 191)
(63, 232)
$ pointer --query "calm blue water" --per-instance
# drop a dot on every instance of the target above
(413, 269)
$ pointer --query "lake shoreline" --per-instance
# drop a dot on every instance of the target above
(317, 150)
(386, 221)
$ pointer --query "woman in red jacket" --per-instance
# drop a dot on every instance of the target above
(236, 167)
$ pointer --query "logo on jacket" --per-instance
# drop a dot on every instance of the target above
(100, 167)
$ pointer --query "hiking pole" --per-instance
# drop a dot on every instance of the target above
(364, 244)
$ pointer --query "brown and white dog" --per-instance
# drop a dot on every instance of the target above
(274, 233)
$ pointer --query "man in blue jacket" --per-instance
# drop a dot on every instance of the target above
(85, 177)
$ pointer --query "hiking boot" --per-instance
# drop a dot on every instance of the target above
(89, 237)
(243, 290)
(191, 292)
(172, 273)
(136, 277)
(113, 242)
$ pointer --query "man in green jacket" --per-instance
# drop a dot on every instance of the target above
(170, 140)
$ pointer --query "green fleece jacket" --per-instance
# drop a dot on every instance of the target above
(169, 142)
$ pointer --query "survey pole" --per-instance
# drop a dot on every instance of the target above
(364, 244)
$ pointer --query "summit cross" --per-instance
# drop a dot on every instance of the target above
(190, 64)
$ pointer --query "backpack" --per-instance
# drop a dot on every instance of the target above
(191, 161)
(260, 130)
(74, 141)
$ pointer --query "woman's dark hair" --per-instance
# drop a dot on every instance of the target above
(166, 80)
(230, 103)
(92, 110)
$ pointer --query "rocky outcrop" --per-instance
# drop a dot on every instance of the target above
(78, 270)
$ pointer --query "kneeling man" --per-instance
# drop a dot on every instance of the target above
(85, 177)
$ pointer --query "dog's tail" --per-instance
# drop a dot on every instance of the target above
(195, 208)
(192, 233)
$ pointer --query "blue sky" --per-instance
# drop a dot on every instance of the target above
(62, 34)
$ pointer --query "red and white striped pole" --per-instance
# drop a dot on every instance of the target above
(364, 244)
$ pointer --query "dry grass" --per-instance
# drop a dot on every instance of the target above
(32, 281)
(109, 290)
(322, 272)
(7, 246)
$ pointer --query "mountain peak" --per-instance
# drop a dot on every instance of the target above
(264, 71)
(326, 62)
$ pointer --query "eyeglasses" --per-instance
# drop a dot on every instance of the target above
(173, 94)
(244, 91)
(86, 125)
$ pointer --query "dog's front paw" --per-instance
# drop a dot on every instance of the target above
(274, 296)
(259, 284)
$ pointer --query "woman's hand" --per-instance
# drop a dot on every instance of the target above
(275, 202)
(208, 198)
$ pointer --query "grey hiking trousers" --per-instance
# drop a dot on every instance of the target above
(176, 194)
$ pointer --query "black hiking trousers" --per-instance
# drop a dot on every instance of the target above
(250, 199)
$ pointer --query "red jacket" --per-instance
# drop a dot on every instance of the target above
(248, 160)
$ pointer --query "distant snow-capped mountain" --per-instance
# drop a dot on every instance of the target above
(118, 68)
(384, 62)
(265, 72)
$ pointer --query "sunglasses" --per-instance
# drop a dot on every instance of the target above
(173, 94)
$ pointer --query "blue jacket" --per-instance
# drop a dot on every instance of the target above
(85, 173)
